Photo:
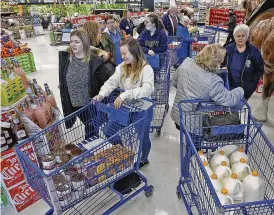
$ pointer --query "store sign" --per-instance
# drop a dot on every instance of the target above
(23, 196)
(11, 172)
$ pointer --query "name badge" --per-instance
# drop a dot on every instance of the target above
(127, 27)
(248, 63)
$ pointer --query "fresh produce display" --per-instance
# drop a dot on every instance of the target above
(232, 177)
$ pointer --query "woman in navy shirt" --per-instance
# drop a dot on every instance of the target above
(154, 38)
(244, 62)
(126, 23)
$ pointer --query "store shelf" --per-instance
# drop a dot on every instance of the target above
(6, 13)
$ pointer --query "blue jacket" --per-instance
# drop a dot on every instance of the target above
(157, 42)
(184, 50)
(127, 26)
(168, 24)
(252, 68)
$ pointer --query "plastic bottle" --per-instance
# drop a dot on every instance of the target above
(217, 159)
(217, 185)
(234, 188)
(207, 168)
(241, 169)
(237, 155)
(202, 156)
(253, 187)
(41, 115)
(222, 171)
(224, 198)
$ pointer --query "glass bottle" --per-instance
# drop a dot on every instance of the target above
(18, 128)
(27, 111)
(41, 115)
(51, 98)
(47, 106)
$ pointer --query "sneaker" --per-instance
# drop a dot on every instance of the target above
(143, 164)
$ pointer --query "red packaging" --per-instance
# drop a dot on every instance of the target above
(260, 86)
(23, 196)
(11, 172)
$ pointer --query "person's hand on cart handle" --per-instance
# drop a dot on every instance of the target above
(118, 102)
(150, 52)
(97, 98)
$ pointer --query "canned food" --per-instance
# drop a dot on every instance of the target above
(76, 152)
(58, 154)
(63, 189)
(64, 201)
(49, 163)
(69, 172)
(69, 148)
(65, 158)
(78, 181)
(58, 179)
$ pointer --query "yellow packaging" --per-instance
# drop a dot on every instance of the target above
(6, 92)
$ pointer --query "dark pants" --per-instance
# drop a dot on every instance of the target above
(229, 37)
(86, 116)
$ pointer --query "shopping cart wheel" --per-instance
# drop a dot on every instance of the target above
(158, 131)
(178, 193)
(167, 107)
(149, 191)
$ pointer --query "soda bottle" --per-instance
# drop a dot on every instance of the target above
(51, 98)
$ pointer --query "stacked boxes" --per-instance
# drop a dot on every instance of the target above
(32, 63)
(26, 62)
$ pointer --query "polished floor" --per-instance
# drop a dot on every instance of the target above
(162, 173)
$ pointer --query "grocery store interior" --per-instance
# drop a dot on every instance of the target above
(228, 172)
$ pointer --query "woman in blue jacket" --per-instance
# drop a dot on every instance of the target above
(182, 31)
(126, 23)
(244, 62)
(154, 38)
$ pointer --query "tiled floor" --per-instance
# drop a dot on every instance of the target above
(163, 172)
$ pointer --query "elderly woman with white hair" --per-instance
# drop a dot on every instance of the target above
(182, 31)
(244, 62)
(198, 79)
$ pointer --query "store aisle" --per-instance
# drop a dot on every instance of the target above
(163, 172)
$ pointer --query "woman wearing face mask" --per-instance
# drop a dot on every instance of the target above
(153, 39)
(244, 62)
(81, 74)
(136, 77)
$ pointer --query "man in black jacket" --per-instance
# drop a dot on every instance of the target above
(231, 23)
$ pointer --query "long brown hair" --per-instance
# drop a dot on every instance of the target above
(92, 27)
(83, 36)
(135, 69)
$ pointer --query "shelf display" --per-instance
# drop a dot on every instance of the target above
(219, 16)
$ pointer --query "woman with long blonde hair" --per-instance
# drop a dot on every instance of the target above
(136, 78)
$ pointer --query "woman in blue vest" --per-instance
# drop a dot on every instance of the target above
(182, 31)
(126, 23)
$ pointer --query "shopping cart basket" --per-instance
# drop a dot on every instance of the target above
(161, 66)
(174, 43)
(195, 187)
(79, 167)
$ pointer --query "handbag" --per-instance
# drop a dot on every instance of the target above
(222, 126)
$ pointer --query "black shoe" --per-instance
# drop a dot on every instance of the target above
(143, 164)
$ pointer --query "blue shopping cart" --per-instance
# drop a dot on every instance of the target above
(161, 66)
(174, 43)
(195, 187)
(80, 165)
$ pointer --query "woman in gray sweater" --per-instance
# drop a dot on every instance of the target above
(197, 79)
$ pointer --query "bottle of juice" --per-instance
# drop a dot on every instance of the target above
(18, 128)
(27, 111)
(41, 115)
(51, 98)
(47, 106)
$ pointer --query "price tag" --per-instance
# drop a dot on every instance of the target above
(20, 134)
(11, 76)
(3, 82)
